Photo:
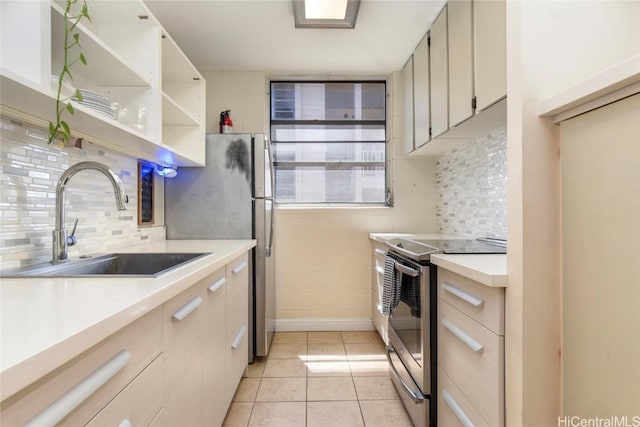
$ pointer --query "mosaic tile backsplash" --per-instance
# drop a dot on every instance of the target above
(28, 179)
(472, 188)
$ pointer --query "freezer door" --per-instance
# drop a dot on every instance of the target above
(263, 173)
(213, 202)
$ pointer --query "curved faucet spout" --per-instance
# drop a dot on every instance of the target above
(59, 233)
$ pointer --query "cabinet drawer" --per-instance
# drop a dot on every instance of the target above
(138, 403)
(453, 407)
(117, 360)
(473, 358)
(483, 304)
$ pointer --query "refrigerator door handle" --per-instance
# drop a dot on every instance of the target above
(268, 249)
(272, 193)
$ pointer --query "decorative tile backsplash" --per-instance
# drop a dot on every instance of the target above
(28, 179)
(472, 188)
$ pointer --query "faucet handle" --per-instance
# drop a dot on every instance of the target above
(71, 240)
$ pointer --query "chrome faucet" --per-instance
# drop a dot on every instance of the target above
(60, 233)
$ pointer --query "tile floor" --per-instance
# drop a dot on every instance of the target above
(319, 379)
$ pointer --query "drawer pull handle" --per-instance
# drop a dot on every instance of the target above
(66, 404)
(379, 269)
(217, 284)
(465, 296)
(457, 410)
(462, 336)
(187, 309)
(238, 268)
(381, 251)
(236, 342)
(125, 423)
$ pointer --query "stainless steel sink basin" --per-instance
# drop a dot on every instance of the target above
(110, 265)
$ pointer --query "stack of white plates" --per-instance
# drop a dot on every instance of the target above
(96, 102)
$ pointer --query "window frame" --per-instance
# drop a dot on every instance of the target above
(341, 165)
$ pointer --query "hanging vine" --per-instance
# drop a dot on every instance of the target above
(61, 129)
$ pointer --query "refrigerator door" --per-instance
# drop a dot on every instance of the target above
(264, 279)
(265, 257)
(213, 202)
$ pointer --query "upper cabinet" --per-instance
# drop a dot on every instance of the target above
(460, 61)
(467, 75)
(490, 58)
(421, 113)
(407, 98)
(157, 95)
(439, 76)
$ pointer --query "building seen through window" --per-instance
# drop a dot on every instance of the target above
(329, 141)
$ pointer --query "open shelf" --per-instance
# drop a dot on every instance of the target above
(175, 115)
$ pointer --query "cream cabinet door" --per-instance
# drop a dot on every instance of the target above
(214, 380)
(490, 56)
(460, 61)
(407, 102)
(183, 324)
(237, 323)
(439, 76)
(600, 166)
(421, 113)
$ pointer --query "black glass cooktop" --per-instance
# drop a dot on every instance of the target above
(464, 246)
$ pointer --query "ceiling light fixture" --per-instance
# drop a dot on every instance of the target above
(325, 13)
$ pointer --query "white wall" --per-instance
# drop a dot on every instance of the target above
(550, 47)
(323, 254)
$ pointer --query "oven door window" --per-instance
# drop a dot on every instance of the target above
(405, 318)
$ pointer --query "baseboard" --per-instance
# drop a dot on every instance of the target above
(324, 324)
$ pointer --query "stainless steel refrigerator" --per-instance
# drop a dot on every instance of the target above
(232, 198)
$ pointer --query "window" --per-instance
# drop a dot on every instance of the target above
(329, 141)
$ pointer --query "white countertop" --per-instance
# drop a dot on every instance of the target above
(488, 269)
(47, 321)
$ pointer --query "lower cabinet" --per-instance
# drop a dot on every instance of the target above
(183, 333)
(237, 323)
(470, 334)
(380, 321)
(79, 390)
(214, 393)
(178, 365)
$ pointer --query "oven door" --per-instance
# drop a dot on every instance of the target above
(409, 322)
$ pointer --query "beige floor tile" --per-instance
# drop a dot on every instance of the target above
(334, 388)
(256, 369)
(288, 351)
(285, 368)
(325, 337)
(278, 414)
(290, 338)
(366, 351)
(370, 367)
(384, 413)
(247, 390)
(326, 351)
(328, 368)
(375, 388)
(238, 414)
(334, 414)
(282, 390)
(361, 337)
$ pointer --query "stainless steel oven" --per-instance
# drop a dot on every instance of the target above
(410, 336)
(412, 314)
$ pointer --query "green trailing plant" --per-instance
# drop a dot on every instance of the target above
(60, 129)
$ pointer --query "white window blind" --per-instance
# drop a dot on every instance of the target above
(329, 141)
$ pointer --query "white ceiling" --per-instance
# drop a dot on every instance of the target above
(259, 35)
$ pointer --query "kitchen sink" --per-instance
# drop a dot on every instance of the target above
(110, 265)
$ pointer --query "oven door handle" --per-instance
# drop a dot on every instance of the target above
(407, 270)
(417, 396)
